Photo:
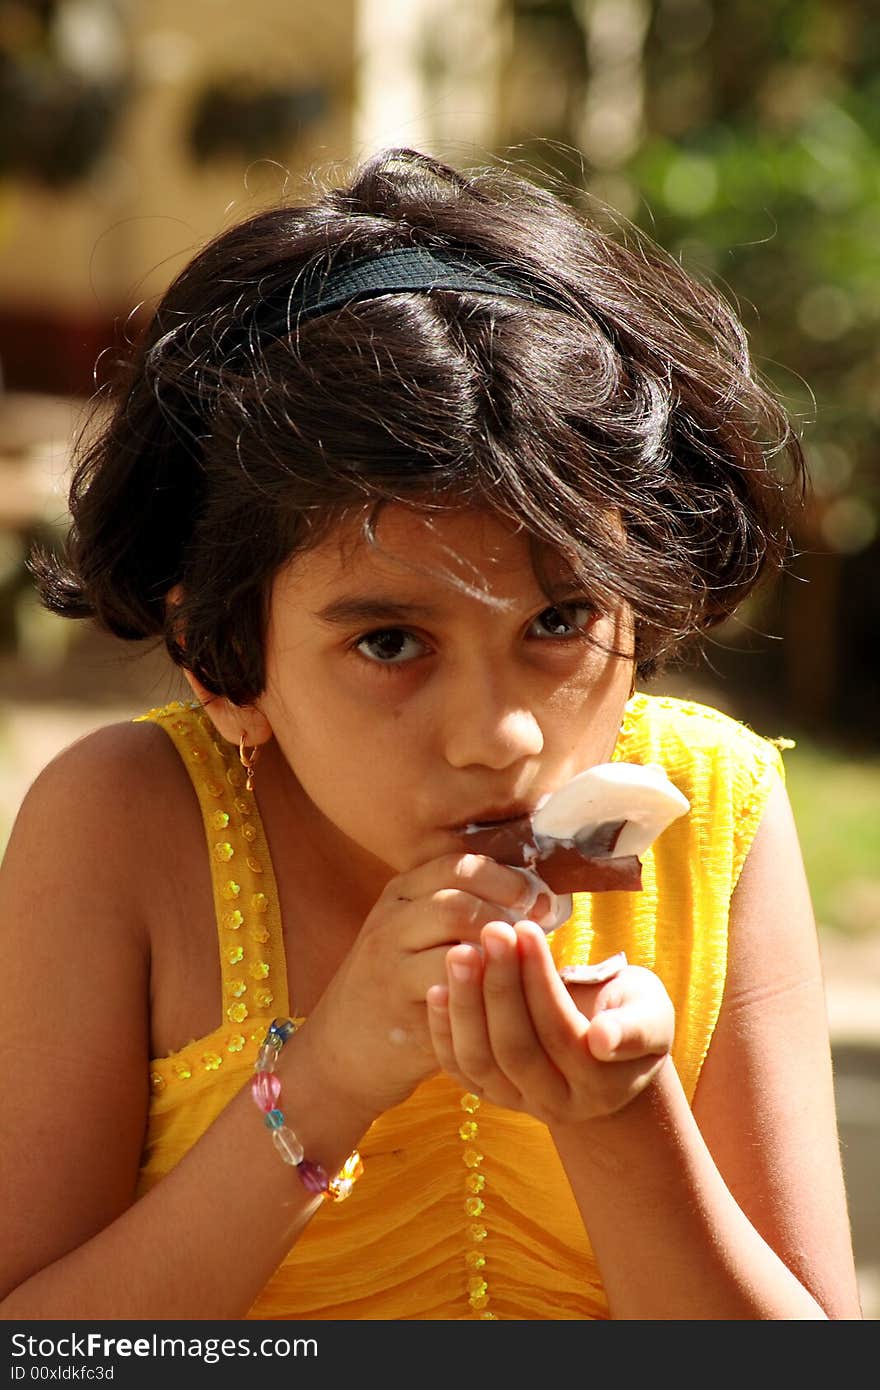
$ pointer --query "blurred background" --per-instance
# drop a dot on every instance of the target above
(743, 135)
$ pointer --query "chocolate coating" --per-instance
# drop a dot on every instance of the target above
(582, 865)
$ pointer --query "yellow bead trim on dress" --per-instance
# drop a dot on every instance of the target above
(474, 1206)
(232, 829)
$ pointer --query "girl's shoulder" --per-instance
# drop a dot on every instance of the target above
(670, 730)
(106, 774)
(94, 805)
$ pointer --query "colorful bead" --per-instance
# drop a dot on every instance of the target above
(289, 1147)
(265, 1089)
(230, 890)
(233, 920)
(312, 1176)
(223, 851)
(218, 820)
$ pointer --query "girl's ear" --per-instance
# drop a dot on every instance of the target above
(231, 721)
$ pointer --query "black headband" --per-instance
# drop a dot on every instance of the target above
(389, 272)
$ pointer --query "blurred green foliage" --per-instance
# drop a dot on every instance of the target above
(836, 802)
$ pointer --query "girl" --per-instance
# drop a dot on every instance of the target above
(413, 482)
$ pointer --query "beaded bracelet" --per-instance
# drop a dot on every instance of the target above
(266, 1090)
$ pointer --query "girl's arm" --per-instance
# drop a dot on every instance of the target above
(74, 1054)
(737, 1210)
(85, 875)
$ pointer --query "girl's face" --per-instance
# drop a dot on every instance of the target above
(406, 708)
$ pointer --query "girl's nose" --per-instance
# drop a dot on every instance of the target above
(488, 726)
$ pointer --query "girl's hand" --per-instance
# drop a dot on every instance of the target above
(506, 1027)
(369, 1034)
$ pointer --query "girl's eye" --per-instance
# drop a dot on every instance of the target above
(389, 646)
(566, 619)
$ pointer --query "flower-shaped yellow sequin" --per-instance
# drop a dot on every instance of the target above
(259, 902)
(469, 1130)
(249, 831)
(263, 998)
(258, 970)
(223, 851)
(157, 1082)
(230, 890)
(235, 1042)
(218, 820)
(182, 1070)
(237, 1013)
(234, 954)
(233, 920)
(211, 1060)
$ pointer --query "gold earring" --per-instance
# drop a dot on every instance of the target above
(248, 758)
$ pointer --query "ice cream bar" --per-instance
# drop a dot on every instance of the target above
(588, 835)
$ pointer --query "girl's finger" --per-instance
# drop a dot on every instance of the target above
(558, 1022)
(516, 1044)
(635, 1029)
(468, 1031)
(439, 1027)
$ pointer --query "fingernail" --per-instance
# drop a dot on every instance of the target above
(493, 947)
(459, 969)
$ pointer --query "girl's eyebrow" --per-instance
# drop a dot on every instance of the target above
(343, 611)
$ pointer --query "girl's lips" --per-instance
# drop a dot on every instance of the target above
(489, 820)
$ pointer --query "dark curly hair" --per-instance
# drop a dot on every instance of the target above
(615, 415)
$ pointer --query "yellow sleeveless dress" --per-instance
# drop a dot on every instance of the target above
(463, 1210)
